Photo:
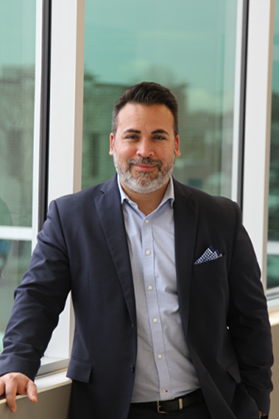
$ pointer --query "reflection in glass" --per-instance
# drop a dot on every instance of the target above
(186, 46)
(272, 271)
(5, 245)
(17, 72)
(14, 260)
(273, 202)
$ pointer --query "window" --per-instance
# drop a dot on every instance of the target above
(191, 47)
(257, 126)
(273, 203)
(17, 84)
(24, 62)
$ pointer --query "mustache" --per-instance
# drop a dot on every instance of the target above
(145, 160)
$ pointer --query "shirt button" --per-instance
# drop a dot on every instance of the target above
(163, 391)
(159, 356)
(150, 287)
(148, 252)
(147, 221)
(155, 320)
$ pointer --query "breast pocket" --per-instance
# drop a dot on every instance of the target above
(211, 273)
(209, 291)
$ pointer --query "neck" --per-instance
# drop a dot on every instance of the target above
(146, 203)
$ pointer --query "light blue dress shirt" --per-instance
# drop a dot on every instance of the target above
(164, 369)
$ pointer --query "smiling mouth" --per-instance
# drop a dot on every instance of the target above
(145, 165)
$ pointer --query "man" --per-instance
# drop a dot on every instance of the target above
(170, 313)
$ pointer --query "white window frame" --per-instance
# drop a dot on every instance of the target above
(257, 126)
(65, 139)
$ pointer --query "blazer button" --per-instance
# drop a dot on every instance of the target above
(132, 368)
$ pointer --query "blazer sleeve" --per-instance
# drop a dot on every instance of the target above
(38, 301)
(248, 320)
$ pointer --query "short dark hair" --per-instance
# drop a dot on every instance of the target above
(147, 93)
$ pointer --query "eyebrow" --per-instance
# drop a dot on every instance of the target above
(160, 131)
(131, 130)
(157, 131)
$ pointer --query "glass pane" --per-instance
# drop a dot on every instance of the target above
(186, 46)
(17, 72)
(273, 203)
(17, 75)
(14, 260)
(272, 271)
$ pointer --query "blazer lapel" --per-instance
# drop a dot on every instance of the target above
(185, 220)
(112, 221)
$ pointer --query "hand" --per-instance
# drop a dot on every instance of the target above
(260, 415)
(16, 383)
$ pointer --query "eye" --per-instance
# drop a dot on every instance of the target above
(159, 137)
(131, 137)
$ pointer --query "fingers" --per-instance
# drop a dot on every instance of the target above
(10, 390)
(2, 387)
(31, 390)
(17, 383)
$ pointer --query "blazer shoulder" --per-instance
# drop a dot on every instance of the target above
(84, 197)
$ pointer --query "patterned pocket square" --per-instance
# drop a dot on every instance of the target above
(209, 254)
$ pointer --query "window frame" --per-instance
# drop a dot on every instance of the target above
(65, 140)
(257, 136)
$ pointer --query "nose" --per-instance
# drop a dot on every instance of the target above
(145, 148)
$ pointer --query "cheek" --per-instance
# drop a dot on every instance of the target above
(165, 155)
(125, 153)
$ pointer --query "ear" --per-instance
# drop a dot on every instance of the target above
(177, 151)
(111, 138)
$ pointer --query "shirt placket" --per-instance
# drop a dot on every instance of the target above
(154, 316)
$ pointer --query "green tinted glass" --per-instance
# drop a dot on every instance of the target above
(17, 75)
(273, 220)
(188, 46)
(14, 261)
(17, 72)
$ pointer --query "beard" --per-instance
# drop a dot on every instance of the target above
(143, 182)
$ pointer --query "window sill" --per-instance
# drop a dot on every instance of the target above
(50, 381)
(51, 365)
(274, 318)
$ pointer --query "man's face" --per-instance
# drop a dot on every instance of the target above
(144, 147)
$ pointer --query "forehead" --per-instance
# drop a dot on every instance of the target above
(136, 115)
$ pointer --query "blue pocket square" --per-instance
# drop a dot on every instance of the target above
(209, 254)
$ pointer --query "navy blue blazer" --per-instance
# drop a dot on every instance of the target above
(83, 249)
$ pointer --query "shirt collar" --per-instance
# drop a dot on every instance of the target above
(169, 194)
